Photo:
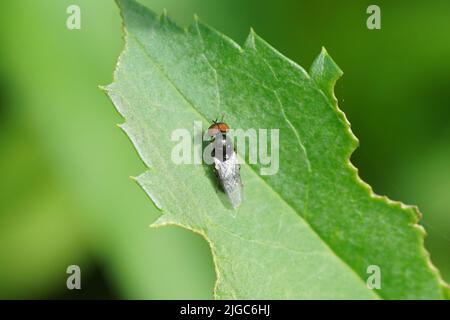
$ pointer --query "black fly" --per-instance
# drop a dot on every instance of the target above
(225, 162)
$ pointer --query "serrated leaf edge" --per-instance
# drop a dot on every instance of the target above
(164, 219)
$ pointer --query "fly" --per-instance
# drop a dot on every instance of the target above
(225, 162)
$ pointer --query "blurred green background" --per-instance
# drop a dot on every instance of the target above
(65, 193)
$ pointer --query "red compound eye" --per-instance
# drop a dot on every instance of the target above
(218, 127)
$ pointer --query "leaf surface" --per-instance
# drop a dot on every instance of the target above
(308, 232)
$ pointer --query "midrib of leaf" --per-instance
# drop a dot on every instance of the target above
(200, 115)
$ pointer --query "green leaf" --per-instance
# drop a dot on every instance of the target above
(309, 231)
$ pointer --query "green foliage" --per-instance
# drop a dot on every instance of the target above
(311, 230)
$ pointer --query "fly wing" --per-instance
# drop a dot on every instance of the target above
(230, 178)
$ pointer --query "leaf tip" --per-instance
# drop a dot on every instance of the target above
(250, 42)
(325, 72)
(103, 88)
(164, 16)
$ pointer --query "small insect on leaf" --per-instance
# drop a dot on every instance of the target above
(225, 162)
